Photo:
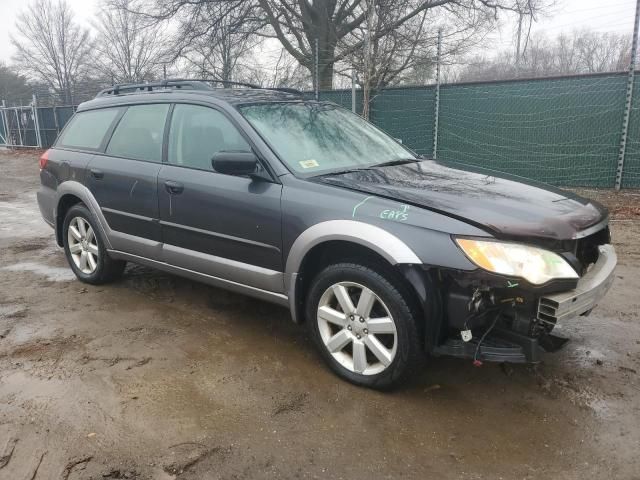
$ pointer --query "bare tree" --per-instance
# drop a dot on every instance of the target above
(602, 52)
(582, 51)
(321, 28)
(13, 86)
(51, 47)
(334, 23)
(285, 71)
(407, 54)
(220, 53)
(129, 48)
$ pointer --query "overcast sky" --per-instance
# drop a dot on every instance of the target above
(614, 15)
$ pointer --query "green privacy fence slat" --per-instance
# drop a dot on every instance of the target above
(52, 120)
(560, 131)
(631, 172)
(406, 114)
(564, 131)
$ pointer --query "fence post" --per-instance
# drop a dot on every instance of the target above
(436, 113)
(55, 120)
(353, 90)
(628, 101)
(36, 122)
(316, 75)
(15, 110)
(5, 124)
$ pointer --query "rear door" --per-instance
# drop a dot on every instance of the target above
(124, 179)
(222, 225)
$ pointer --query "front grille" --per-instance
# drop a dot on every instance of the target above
(587, 248)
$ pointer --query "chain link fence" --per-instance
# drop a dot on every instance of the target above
(32, 126)
(565, 131)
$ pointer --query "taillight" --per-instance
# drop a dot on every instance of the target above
(43, 159)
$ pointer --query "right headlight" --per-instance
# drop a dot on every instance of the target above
(535, 265)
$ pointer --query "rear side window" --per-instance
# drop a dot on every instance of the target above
(197, 133)
(140, 132)
(86, 130)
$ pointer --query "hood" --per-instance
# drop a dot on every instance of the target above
(506, 206)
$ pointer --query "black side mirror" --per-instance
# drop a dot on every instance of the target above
(234, 163)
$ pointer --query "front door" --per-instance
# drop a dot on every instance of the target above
(221, 225)
(124, 180)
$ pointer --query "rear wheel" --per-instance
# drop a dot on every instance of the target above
(84, 248)
(361, 320)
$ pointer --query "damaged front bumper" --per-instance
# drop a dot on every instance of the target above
(589, 291)
(519, 322)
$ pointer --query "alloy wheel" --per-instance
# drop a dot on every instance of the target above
(83, 245)
(357, 328)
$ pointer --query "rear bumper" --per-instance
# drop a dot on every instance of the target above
(589, 291)
(46, 202)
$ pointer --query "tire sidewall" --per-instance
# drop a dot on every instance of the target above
(82, 211)
(398, 307)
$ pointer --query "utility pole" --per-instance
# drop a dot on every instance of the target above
(629, 99)
(436, 113)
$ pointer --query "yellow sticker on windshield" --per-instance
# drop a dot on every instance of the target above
(308, 163)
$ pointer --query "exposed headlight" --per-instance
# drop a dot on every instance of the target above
(535, 265)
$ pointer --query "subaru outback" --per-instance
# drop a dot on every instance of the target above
(386, 256)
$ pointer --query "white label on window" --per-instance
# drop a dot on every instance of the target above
(308, 163)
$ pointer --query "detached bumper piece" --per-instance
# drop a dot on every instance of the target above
(589, 291)
(500, 346)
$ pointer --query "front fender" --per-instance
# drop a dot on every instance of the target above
(385, 244)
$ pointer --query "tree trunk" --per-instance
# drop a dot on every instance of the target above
(325, 75)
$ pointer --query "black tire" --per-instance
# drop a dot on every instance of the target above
(391, 290)
(107, 269)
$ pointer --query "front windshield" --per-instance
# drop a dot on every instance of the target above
(315, 138)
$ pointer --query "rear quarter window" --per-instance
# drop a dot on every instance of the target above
(86, 130)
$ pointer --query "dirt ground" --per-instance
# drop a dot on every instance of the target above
(157, 377)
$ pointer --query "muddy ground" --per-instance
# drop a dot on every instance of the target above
(160, 377)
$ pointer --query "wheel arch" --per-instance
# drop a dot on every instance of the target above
(65, 202)
(71, 193)
(348, 239)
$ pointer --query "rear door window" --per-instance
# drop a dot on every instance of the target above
(139, 133)
(86, 130)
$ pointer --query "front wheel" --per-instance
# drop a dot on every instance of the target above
(360, 318)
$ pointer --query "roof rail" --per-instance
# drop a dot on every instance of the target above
(148, 87)
(183, 83)
(295, 91)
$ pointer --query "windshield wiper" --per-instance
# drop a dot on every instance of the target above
(340, 172)
(400, 161)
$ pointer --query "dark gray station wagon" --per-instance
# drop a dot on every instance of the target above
(386, 256)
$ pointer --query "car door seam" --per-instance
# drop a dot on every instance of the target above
(219, 235)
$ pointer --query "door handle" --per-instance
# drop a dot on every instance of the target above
(174, 188)
(95, 173)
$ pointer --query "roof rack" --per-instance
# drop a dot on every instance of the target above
(182, 83)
